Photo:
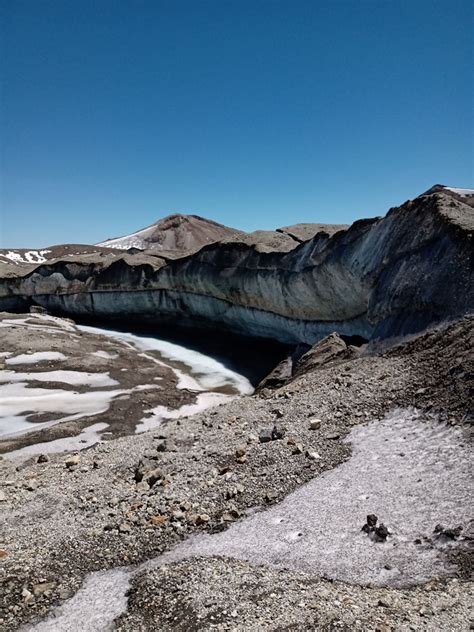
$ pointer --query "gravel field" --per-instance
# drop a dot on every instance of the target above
(123, 502)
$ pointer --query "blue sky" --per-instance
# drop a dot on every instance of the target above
(254, 113)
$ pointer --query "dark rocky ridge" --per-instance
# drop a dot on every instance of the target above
(378, 278)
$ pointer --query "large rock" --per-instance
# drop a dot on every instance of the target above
(327, 350)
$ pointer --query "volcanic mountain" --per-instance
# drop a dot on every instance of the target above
(174, 233)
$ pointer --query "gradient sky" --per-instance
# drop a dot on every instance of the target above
(254, 113)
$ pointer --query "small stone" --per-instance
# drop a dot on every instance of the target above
(265, 436)
(158, 520)
(73, 460)
(313, 456)
(315, 424)
(202, 518)
(385, 602)
(227, 517)
(124, 527)
(278, 433)
(333, 436)
(298, 449)
(43, 458)
(28, 596)
(381, 533)
(142, 486)
(278, 413)
(42, 588)
(372, 520)
(241, 459)
(162, 445)
(147, 471)
(241, 451)
(3, 496)
(270, 496)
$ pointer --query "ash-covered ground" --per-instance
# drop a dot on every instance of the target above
(248, 516)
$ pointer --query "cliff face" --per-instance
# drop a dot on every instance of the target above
(377, 278)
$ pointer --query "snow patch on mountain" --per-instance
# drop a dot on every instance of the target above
(29, 256)
(461, 192)
(134, 240)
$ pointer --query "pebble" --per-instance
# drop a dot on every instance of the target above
(315, 424)
(73, 460)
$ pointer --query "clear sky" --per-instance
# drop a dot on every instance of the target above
(254, 113)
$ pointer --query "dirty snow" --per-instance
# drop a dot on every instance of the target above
(317, 528)
(411, 474)
(89, 436)
(73, 378)
(106, 355)
(40, 323)
(20, 401)
(159, 413)
(93, 608)
(33, 358)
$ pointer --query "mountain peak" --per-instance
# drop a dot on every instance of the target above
(175, 232)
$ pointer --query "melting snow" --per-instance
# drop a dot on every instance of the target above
(89, 436)
(19, 401)
(74, 378)
(204, 400)
(106, 355)
(206, 372)
(33, 358)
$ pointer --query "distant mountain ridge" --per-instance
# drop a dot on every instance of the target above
(385, 276)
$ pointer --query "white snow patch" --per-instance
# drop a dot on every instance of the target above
(33, 358)
(89, 436)
(106, 355)
(159, 413)
(134, 240)
(461, 192)
(411, 474)
(206, 372)
(74, 378)
(93, 608)
(30, 256)
(19, 401)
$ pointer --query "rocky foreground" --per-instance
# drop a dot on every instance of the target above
(220, 472)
